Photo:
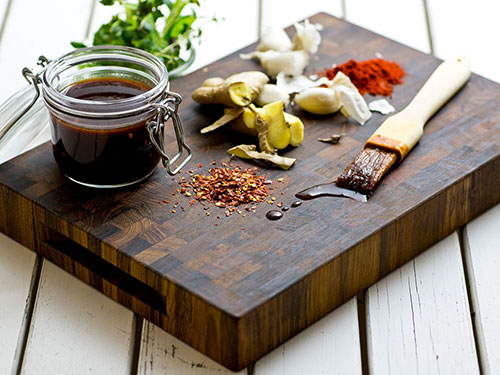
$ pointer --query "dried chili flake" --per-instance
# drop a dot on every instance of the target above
(228, 187)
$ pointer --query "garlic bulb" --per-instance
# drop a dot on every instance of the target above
(307, 37)
(289, 62)
(272, 93)
(274, 39)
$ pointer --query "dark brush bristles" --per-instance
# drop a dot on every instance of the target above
(364, 173)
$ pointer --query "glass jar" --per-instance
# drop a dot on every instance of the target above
(108, 107)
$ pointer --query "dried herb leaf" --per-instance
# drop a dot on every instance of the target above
(334, 139)
(229, 115)
(249, 152)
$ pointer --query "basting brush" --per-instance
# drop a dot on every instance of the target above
(397, 135)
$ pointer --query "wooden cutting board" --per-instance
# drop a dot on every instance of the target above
(238, 289)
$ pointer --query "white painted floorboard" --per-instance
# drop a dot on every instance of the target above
(162, 353)
(482, 249)
(330, 346)
(284, 13)
(402, 21)
(464, 27)
(37, 28)
(76, 329)
(16, 269)
(229, 34)
(418, 317)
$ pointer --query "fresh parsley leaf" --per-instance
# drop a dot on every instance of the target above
(161, 27)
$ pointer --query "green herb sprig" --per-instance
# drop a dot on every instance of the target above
(161, 27)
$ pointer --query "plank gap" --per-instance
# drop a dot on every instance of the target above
(363, 338)
(259, 19)
(27, 317)
(428, 27)
(135, 344)
(91, 18)
(4, 18)
(473, 304)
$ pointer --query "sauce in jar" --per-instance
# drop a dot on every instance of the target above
(109, 106)
(94, 154)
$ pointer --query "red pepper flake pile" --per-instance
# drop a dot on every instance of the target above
(225, 187)
(375, 76)
(229, 187)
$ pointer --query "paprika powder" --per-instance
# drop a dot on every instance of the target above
(375, 76)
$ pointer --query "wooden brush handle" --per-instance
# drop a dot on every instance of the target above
(400, 132)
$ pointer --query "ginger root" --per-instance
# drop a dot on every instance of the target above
(274, 128)
(238, 90)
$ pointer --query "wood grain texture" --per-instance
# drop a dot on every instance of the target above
(482, 251)
(422, 309)
(236, 294)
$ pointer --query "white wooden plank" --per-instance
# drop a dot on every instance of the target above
(235, 29)
(4, 9)
(162, 353)
(37, 28)
(482, 249)
(463, 27)
(76, 330)
(283, 13)
(403, 21)
(330, 346)
(16, 268)
(418, 318)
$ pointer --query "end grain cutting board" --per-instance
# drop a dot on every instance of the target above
(237, 290)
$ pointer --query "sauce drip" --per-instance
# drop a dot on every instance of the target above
(274, 215)
(296, 204)
(331, 190)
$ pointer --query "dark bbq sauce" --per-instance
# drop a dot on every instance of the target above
(331, 190)
(104, 156)
(274, 215)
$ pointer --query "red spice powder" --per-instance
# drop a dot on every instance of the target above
(375, 76)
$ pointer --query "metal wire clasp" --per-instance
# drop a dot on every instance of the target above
(34, 79)
(166, 110)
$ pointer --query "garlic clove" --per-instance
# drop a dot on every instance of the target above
(318, 100)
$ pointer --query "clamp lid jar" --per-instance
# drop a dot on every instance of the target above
(108, 108)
